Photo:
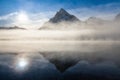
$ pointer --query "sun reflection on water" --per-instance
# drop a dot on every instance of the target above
(21, 63)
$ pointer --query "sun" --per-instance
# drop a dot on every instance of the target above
(21, 64)
(22, 17)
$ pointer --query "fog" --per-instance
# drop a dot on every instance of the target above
(91, 29)
(86, 44)
(80, 49)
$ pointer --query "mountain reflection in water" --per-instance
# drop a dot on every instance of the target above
(36, 59)
(57, 65)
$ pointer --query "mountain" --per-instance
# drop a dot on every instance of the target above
(95, 21)
(61, 20)
(61, 63)
(117, 18)
(65, 21)
(63, 15)
(9, 28)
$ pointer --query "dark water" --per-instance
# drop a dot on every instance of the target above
(61, 65)
(58, 60)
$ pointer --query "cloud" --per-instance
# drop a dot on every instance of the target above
(39, 18)
(110, 9)
(35, 19)
(6, 17)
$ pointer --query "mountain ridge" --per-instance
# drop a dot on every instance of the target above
(11, 28)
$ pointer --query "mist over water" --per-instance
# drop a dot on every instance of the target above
(48, 40)
(67, 55)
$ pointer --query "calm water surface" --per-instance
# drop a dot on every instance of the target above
(55, 55)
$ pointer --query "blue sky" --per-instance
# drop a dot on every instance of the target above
(47, 8)
(8, 6)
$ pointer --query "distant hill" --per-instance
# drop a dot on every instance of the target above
(117, 18)
(95, 21)
(9, 28)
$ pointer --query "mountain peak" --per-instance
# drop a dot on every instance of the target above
(117, 17)
(91, 18)
(63, 15)
(94, 19)
(63, 11)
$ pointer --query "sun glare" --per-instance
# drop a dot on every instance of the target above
(21, 64)
(22, 17)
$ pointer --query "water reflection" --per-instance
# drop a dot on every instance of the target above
(22, 64)
(42, 67)
(59, 60)
(37, 68)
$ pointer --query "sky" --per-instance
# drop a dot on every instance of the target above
(36, 12)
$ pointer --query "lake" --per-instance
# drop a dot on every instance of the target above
(58, 55)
